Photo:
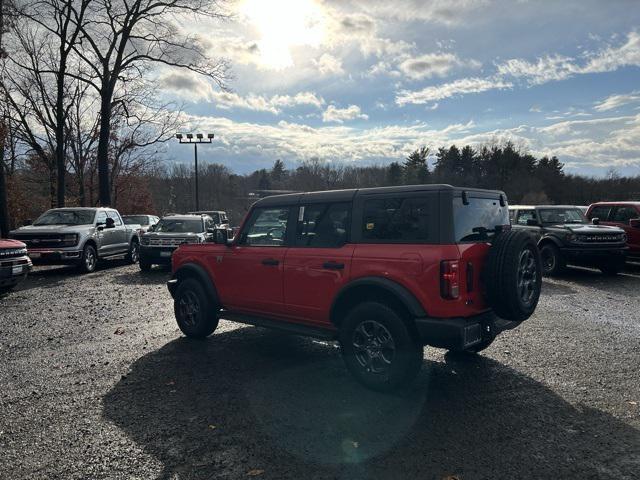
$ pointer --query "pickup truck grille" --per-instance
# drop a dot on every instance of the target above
(169, 242)
(40, 240)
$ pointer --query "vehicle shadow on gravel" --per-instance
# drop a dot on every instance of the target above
(249, 400)
(157, 276)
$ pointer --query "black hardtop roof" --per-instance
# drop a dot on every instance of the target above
(349, 194)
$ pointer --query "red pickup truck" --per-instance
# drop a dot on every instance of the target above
(625, 215)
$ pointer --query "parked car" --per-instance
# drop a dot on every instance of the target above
(625, 215)
(383, 270)
(78, 236)
(14, 264)
(169, 233)
(144, 221)
(219, 217)
(564, 235)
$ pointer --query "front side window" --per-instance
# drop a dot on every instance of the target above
(322, 225)
(115, 216)
(136, 220)
(267, 227)
(66, 217)
(556, 216)
(400, 220)
(624, 214)
(101, 219)
(179, 225)
(525, 215)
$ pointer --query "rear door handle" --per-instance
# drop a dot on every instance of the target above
(333, 265)
(270, 261)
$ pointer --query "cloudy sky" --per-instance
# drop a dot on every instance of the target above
(367, 81)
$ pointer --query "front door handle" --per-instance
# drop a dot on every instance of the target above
(270, 261)
(333, 265)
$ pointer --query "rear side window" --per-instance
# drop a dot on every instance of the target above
(601, 212)
(398, 220)
(323, 225)
(477, 221)
(624, 214)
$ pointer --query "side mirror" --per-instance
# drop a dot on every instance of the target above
(27, 222)
(151, 228)
(110, 223)
(221, 236)
(532, 222)
(595, 221)
(211, 231)
(634, 223)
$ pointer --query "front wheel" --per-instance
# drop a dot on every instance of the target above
(195, 313)
(553, 263)
(89, 259)
(378, 347)
(134, 252)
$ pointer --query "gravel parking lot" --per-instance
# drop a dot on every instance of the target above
(97, 382)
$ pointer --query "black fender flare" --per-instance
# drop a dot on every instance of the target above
(550, 239)
(398, 291)
(193, 270)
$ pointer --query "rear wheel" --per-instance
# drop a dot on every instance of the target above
(195, 313)
(89, 259)
(514, 276)
(553, 263)
(378, 347)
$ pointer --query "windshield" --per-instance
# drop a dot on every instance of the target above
(562, 215)
(477, 221)
(136, 220)
(66, 217)
(179, 226)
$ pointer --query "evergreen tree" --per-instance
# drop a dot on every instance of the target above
(278, 172)
(416, 169)
(394, 174)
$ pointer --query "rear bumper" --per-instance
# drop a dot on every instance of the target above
(157, 255)
(460, 333)
(14, 271)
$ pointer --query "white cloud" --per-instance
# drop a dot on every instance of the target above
(329, 65)
(560, 67)
(433, 64)
(339, 115)
(616, 101)
(195, 88)
(446, 90)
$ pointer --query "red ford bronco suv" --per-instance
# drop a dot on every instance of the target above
(384, 271)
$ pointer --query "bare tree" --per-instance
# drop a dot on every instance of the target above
(121, 40)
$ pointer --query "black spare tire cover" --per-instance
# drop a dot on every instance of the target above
(513, 275)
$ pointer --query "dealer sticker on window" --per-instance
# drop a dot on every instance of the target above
(370, 226)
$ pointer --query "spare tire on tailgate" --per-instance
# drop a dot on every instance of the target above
(513, 276)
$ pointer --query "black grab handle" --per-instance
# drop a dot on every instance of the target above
(333, 265)
(270, 261)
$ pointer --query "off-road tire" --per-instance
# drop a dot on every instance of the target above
(513, 276)
(88, 260)
(145, 265)
(553, 262)
(133, 255)
(405, 360)
(196, 314)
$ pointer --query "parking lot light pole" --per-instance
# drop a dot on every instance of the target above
(199, 138)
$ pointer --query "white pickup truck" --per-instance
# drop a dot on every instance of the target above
(79, 236)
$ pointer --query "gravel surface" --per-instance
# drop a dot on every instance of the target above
(97, 382)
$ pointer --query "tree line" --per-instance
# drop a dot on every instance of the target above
(167, 187)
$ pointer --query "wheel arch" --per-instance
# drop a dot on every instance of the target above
(375, 289)
(193, 270)
(549, 239)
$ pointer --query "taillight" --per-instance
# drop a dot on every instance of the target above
(450, 279)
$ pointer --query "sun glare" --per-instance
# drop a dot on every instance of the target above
(283, 24)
